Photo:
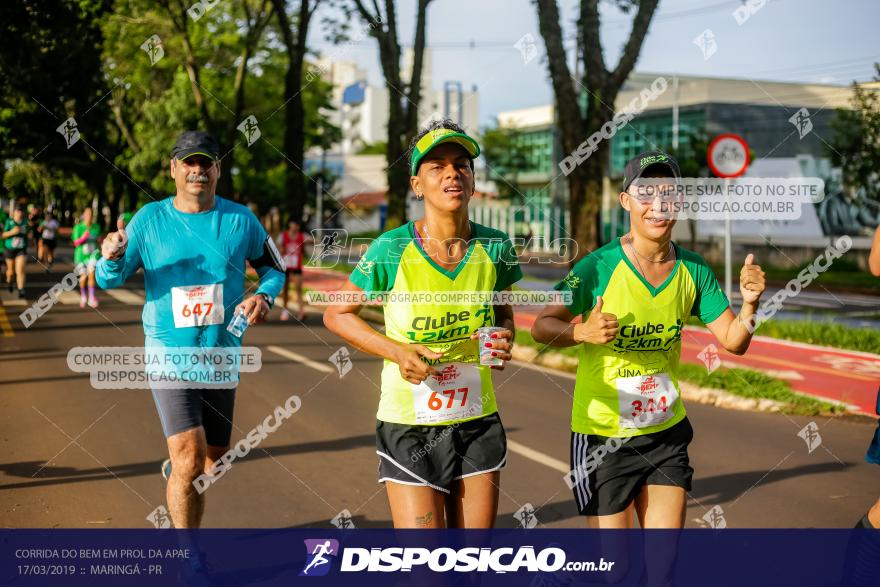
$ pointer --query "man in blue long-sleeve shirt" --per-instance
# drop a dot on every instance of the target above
(192, 248)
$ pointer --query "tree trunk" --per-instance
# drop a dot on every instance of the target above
(397, 172)
(402, 119)
(585, 203)
(600, 88)
(398, 188)
(294, 112)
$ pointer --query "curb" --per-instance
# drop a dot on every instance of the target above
(718, 398)
(689, 392)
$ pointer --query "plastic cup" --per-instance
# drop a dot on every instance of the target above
(486, 357)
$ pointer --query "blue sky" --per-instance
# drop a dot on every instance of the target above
(832, 41)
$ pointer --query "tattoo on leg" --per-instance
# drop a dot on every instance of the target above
(424, 521)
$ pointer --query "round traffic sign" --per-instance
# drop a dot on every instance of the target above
(728, 155)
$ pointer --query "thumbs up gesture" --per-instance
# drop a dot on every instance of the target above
(600, 327)
(751, 281)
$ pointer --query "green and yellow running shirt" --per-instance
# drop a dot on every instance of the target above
(18, 241)
(87, 250)
(427, 304)
(629, 386)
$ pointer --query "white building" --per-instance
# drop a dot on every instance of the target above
(365, 122)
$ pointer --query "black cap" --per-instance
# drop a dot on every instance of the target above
(195, 142)
(639, 164)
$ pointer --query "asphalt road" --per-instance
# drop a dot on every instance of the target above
(74, 456)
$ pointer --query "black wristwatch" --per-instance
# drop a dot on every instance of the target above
(268, 298)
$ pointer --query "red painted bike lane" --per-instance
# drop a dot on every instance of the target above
(845, 376)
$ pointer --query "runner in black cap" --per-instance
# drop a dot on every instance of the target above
(193, 248)
(195, 142)
(630, 432)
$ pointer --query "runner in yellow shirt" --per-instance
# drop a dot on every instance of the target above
(439, 437)
(634, 295)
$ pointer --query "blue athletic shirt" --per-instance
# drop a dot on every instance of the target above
(191, 262)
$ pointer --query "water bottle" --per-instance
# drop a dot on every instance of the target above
(238, 324)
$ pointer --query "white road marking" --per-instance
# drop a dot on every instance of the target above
(301, 359)
(512, 445)
(537, 456)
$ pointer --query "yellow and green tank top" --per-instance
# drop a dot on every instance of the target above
(434, 309)
(629, 386)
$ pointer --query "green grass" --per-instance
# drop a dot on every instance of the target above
(756, 385)
(741, 382)
(842, 275)
(820, 332)
(823, 333)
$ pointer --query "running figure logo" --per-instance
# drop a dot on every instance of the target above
(801, 121)
(526, 516)
(342, 520)
(706, 42)
(710, 358)
(153, 48)
(250, 130)
(527, 47)
(69, 131)
(810, 434)
(159, 517)
(342, 359)
(714, 518)
(320, 555)
(327, 245)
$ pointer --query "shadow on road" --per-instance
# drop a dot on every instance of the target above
(57, 475)
(728, 488)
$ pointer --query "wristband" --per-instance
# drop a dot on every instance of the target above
(266, 297)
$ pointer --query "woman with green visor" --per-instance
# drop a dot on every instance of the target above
(439, 437)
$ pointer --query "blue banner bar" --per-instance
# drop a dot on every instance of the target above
(753, 558)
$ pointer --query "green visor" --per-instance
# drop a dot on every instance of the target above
(437, 137)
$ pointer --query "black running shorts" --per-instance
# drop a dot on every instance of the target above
(437, 456)
(185, 409)
(608, 473)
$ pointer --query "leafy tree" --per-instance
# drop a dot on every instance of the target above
(855, 146)
(159, 99)
(294, 115)
(50, 70)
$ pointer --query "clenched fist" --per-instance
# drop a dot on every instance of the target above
(113, 247)
(600, 327)
(412, 367)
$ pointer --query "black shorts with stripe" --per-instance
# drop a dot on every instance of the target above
(608, 472)
(438, 456)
